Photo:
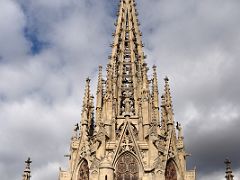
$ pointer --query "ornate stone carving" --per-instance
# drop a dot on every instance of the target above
(171, 152)
(160, 145)
(84, 151)
(127, 143)
(95, 163)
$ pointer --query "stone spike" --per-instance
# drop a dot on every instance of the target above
(229, 175)
(87, 119)
(155, 94)
(99, 103)
(168, 93)
(85, 106)
(109, 80)
(155, 87)
(99, 88)
(168, 102)
(145, 78)
(87, 93)
(27, 171)
(163, 114)
(91, 115)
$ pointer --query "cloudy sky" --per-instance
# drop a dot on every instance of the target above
(48, 48)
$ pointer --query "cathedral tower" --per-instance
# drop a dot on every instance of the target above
(128, 135)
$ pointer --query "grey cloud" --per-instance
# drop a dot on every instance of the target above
(196, 43)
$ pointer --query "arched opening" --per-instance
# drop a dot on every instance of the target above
(83, 171)
(127, 167)
(170, 172)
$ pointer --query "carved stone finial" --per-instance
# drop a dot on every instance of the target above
(179, 128)
(166, 79)
(75, 131)
(154, 68)
(167, 104)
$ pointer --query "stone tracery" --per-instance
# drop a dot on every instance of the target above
(127, 167)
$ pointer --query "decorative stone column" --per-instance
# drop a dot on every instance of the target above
(106, 170)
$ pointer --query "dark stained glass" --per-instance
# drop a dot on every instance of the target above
(83, 171)
(170, 173)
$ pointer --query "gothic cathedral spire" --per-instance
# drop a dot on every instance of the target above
(126, 139)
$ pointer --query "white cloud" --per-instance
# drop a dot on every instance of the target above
(48, 171)
(12, 22)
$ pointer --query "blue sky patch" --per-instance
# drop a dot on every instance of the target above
(36, 44)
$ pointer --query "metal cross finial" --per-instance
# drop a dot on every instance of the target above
(28, 163)
(227, 162)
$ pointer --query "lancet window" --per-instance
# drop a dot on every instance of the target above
(83, 171)
(171, 172)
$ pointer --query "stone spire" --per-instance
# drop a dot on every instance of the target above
(99, 94)
(27, 171)
(87, 107)
(126, 61)
(229, 175)
(163, 114)
(168, 102)
(155, 95)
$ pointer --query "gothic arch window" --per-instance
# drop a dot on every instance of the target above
(127, 167)
(83, 171)
(171, 172)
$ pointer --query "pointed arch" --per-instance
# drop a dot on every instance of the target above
(83, 173)
(171, 171)
(127, 167)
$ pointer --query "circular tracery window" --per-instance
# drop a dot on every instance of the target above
(127, 167)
